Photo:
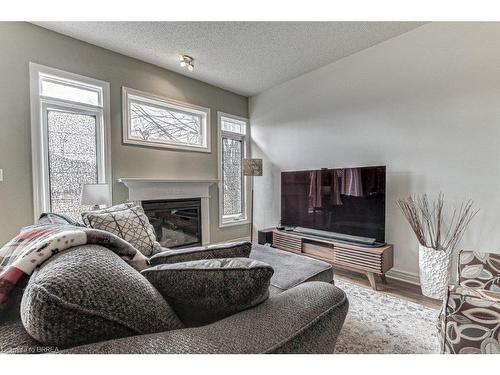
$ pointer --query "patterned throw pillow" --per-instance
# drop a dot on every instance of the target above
(127, 221)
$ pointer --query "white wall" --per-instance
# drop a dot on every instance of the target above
(426, 104)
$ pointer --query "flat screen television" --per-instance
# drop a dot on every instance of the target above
(346, 200)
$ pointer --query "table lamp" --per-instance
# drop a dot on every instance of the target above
(95, 195)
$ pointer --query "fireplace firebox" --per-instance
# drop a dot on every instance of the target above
(177, 222)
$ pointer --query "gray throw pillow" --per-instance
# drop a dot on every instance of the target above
(240, 249)
(127, 221)
(204, 291)
(88, 294)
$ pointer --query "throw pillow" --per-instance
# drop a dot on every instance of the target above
(127, 221)
(204, 291)
(239, 249)
(88, 294)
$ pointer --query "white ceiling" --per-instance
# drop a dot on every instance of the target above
(243, 57)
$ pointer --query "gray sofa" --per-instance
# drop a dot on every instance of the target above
(304, 314)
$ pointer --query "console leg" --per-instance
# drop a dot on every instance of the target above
(384, 280)
(371, 279)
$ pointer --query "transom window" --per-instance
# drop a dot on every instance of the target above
(68, 90)
(233, 185)
(161, 122)
(69, 138)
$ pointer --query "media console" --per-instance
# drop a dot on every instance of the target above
(368, 260)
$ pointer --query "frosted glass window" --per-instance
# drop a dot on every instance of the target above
(70, 143)
(72, 156)
(233, 186)
(150, 120)
(163, 124)
(232, 177)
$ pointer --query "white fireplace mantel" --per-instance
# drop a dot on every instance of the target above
(141, 189)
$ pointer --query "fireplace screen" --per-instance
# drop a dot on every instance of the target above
(177, 223)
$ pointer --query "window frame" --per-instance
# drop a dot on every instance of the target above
(244, 217)
(40, 105)
(159, 101)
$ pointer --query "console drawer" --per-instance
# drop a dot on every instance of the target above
(359, 259)
(323, 251)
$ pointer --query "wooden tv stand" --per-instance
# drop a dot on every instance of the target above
(368, 260)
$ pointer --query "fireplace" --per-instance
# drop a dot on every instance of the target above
(144, 189)
(177, 222)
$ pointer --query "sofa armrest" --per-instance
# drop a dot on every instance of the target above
(304, 319)
(479, 270)
(240, 249)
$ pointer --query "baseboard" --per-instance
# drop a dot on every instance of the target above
(408, 277)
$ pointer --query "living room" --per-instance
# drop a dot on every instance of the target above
(180, 187)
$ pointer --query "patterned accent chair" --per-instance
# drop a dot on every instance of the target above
(470, 318)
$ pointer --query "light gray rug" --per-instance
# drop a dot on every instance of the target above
(378, 323)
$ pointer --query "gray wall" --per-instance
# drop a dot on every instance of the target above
(21, 43)
(426, 104)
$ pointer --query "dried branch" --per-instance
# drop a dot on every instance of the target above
(427, 221)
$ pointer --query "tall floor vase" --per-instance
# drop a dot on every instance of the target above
(434, 272)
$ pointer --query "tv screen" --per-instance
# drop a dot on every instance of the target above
(346, 200)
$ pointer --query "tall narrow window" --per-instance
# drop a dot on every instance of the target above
(69, 138)
(233, 185)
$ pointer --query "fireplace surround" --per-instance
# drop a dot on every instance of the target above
(142, 189)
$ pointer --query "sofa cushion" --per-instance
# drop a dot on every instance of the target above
(88, 294)
(13, 337)
(204, 291)
(15, 340)
(291, 269)
(240, 249)
(127, 221)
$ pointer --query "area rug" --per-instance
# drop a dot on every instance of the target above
(381, 324)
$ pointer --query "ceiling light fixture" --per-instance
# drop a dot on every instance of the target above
(187, 62)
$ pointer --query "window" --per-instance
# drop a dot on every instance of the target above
(160, 122)
(70, 136)
(233, 189)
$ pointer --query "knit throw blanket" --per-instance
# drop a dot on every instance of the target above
(35, 244)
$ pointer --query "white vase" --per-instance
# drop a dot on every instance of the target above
(434, 275)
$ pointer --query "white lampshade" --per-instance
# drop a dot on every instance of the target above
(95, 194)
(252, 167)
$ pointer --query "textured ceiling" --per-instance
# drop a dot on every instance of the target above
(243, 57)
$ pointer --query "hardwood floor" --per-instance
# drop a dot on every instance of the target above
(393, 287)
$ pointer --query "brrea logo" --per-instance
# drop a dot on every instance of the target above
(34, 349)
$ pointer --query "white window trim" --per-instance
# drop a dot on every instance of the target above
(245, 218)
(127, 138)
(39, 140)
